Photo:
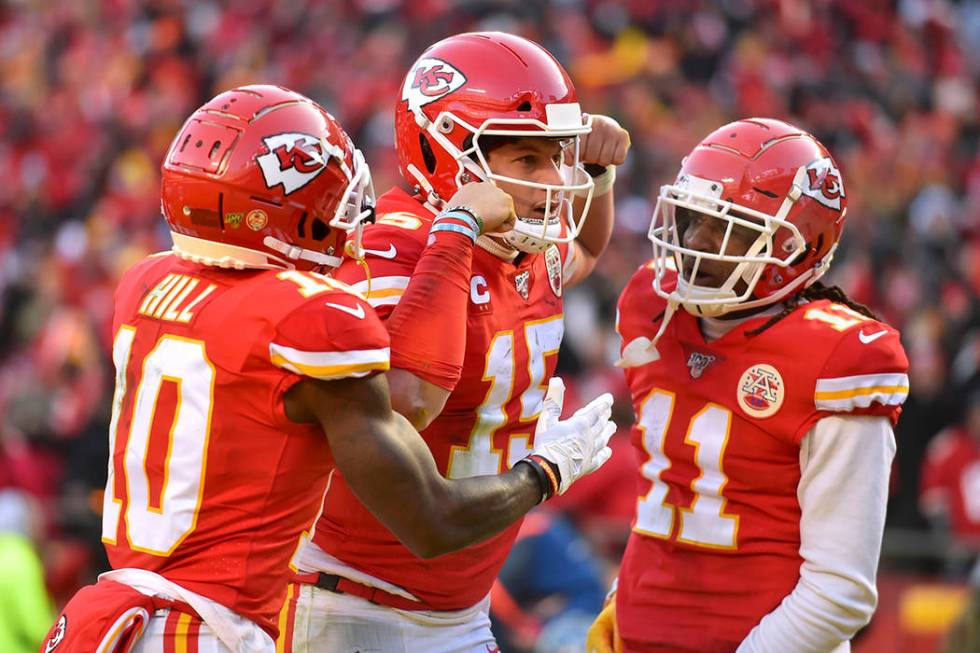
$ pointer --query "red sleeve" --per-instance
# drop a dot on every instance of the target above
(865, 374)
(334, 335)
(428, 327)
(421, 290)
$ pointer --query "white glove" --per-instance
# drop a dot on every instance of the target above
(580, 444)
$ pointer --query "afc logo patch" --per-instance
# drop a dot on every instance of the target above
(760, 391)
(295, 159)
(823, 183)
(430, 80)
(58, 635)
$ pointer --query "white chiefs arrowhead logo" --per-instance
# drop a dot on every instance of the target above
(429, 80)
(823, 183)
(294, 159)
(58, 635)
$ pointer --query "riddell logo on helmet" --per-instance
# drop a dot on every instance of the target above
(295, 159)
(823, 183)
(430, 80)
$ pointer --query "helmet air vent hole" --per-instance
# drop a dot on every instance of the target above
(767, 193)
(186, 141)
(214, 149)
(199, 143)
(428, 156)
(320, 229)
(301, 228)
(524, 106)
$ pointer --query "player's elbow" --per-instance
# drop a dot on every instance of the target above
(416, 400)
(849, 603)
(860, 600)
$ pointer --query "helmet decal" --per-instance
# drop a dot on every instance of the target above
(823, 183)
(430, 80)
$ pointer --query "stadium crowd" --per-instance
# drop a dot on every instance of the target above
(92, 92)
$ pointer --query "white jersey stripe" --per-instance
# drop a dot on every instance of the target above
(330, 364)
(380, 283)
(846, 393)
(861, 381)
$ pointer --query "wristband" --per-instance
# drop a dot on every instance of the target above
(602, 180)
(473, 214)
(454, 228)
(554, 476)
(544, 483)
(461, 215)
(456, 221)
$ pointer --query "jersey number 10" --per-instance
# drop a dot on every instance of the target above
(158, 517)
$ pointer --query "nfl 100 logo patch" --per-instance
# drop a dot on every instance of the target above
(697, 362)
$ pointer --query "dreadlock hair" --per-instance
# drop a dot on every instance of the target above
(812, 293)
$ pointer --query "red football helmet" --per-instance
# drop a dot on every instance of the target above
(489, 84)
(262, 177)
(769, 180)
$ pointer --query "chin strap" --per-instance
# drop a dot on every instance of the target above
(296, 253)
(641, 351)
(496, 248)
(349, 251)
(672, 305)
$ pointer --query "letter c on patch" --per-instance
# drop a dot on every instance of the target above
(479, 291)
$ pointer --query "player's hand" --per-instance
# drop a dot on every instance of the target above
(606, 145)
(603, 636)
(493, 207)
(580, 444)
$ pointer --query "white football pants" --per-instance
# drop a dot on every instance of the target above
(327, 622)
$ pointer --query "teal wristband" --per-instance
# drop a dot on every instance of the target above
(456, 229)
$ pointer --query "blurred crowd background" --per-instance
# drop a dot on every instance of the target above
(92, 91)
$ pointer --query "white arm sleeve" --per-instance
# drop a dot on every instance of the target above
(845, 464)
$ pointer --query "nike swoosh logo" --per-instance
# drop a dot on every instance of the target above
(868, 339)
(391, 252)
(357, 311)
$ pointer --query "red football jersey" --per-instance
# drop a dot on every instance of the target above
(514, 329)
(716, 537)
(210, 484)
(951, 479)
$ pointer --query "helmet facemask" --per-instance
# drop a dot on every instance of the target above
(771, 241)
(356, 205)
(564, 121)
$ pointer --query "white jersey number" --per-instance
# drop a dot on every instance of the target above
(156, 522)
(479, 457)
(705, 523)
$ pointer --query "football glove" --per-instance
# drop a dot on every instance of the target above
(578, 445)
(603, 637)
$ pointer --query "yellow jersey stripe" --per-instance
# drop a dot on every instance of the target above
(332, 371)
(859, 392)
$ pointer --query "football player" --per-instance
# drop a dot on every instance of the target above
(764, 411)
(243, 377)
(478, 106)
